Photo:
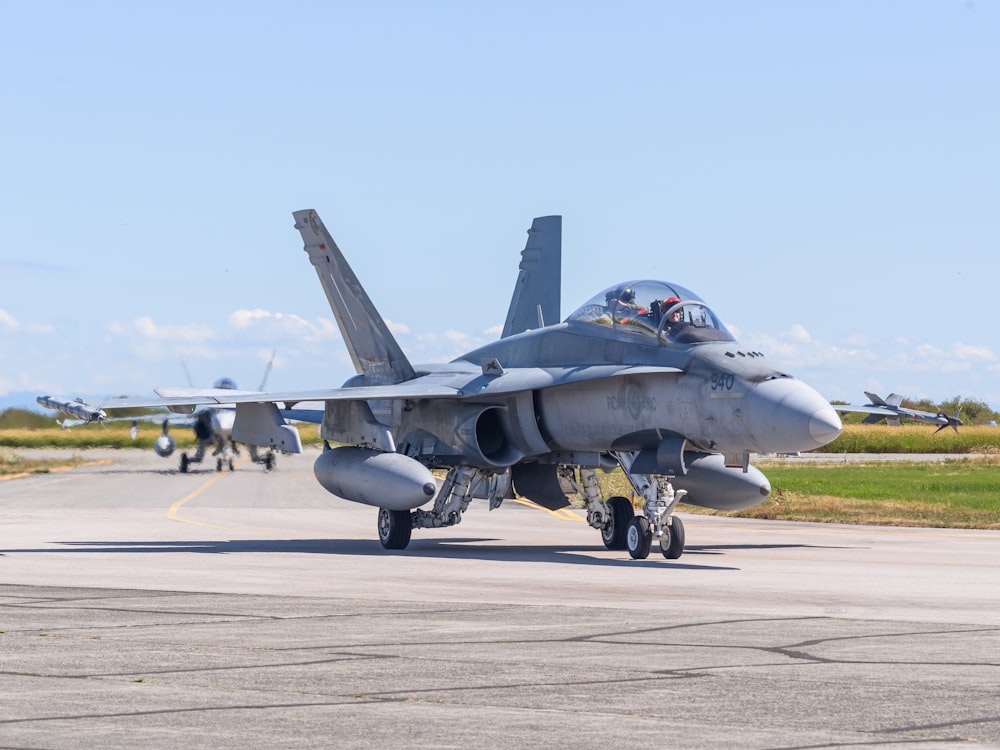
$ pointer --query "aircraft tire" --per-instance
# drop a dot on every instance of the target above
(672, 542)
(613, 535)
(394, 528)
(218, 464)
(184, 463)
(269, 461)
(639, 538)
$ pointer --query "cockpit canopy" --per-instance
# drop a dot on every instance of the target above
(666, 312)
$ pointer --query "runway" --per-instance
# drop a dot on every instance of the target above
(138, 605)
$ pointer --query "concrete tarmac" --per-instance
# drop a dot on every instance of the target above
(139, 606)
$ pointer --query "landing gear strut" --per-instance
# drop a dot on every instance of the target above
(452, 500)
(620, 528)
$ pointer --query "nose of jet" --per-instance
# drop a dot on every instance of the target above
(786, 416)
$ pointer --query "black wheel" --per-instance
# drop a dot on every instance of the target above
(638, 538)
(269, 462)
(184, 463)
(232, 466)
(394, 528)
(620, 511)
(218, 464)
(672, 543)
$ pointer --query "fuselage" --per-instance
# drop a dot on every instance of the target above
(722, 398)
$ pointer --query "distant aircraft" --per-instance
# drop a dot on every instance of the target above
(644, 376)
(212, 426)
(889, 409)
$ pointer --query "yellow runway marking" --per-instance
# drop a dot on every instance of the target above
(173, 513)
(565, 514)
(174, 510)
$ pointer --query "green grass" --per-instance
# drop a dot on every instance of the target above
(955, 493)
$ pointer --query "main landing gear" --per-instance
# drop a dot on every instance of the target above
(394, 528)
(621, 528)
(452, 500)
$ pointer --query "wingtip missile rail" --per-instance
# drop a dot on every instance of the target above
(76, 409)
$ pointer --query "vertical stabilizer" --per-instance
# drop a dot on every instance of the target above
(536, 294)
(373, 349)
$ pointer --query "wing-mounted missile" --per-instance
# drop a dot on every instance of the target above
(76, 409)
(953, 421)
(892, 411)
(385, 480)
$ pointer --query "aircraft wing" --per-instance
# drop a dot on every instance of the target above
(465, 384)
(184, 391)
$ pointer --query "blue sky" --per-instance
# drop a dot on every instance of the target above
(825, 175)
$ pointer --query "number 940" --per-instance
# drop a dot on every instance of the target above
(722, 381)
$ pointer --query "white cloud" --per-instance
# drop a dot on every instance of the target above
(974, 353)
(7, 321)
(798, 334)
(398, 329)
(282, 326)
(245, 318)
(188, 333)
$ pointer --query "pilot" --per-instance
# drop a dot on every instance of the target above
(675, 318)
(621, 297)
(622, 305)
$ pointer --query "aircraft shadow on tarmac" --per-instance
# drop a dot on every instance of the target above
(456, 548)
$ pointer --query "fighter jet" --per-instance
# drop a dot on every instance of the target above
(643, 376)
(889, 409)
(212, 426)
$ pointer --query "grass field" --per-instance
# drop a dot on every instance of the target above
(915, 438)
(13, 465)
(956, 493)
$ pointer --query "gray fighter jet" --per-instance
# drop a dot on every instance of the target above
(890, 410)
(643, 376)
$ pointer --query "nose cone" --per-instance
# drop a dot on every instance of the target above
(787, 416)
(825, 425)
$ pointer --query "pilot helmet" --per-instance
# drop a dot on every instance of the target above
(627, 295)
(668, 303)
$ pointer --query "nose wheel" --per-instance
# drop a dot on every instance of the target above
(639, 538)
(672, 541)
